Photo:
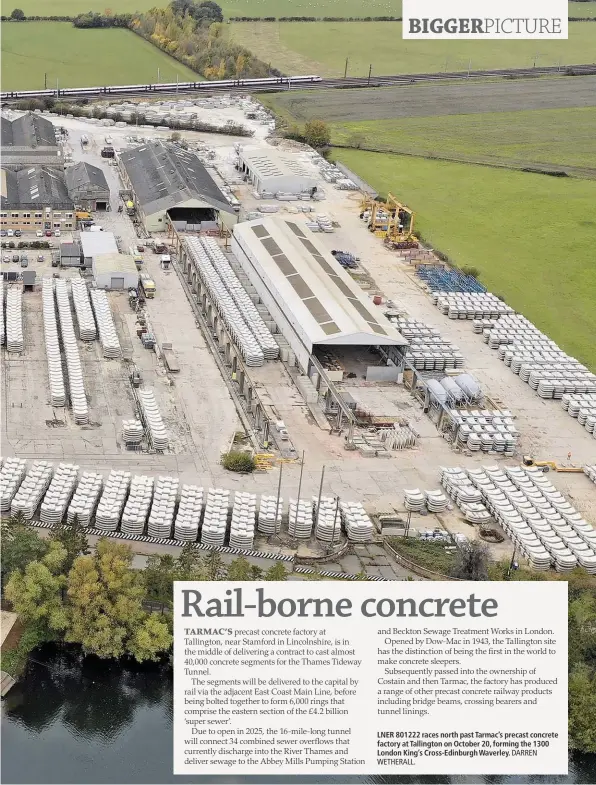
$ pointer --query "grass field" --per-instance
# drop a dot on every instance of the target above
(531, 236)
(322, 48)
(477, 121)
(550, 136)
(254, 8)
(80, 57)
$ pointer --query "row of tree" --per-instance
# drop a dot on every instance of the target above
(63, 592)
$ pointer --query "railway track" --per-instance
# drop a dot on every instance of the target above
(329, 83)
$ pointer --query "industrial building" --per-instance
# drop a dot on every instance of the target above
(115, 271)
(169, 183)
(317, 306)
(35, 199)
(30, 140)
(272, 172)
(70, 255)
(87, 186)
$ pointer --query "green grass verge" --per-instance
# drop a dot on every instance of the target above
(322, 48)
(531, 236)
(80, 57)
(547, 136)
(430, 555)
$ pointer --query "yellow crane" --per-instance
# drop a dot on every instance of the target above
(390, 220)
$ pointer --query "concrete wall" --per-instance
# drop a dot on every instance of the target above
(104, 280)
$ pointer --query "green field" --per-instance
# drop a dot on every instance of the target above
(253, 8)
(322, 48)
(80, 57)
(550, 136)
(531, 236)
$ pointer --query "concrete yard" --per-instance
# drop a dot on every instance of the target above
(199, 411)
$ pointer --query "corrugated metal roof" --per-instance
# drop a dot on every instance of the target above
(109, 263)
(95, 243)
(327, 302)
(273, 163)
(30, 130)
(164, 176)
(36, 186)
(82, 174)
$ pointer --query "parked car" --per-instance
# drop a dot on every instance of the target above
(24, 262)
(24, 257)
(48, 232)
(41, 258)
(39, 233)
(17, 233)
(6, 259)
(10, 233)
(16, 258)
(57, 233)
(3, 233)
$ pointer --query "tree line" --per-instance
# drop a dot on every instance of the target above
(63, 592)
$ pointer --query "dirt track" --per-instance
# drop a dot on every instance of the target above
(441, 99)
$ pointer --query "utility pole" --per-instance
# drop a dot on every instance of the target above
(281, 468)
(176, 83)
(369, 72)
(57, 87)
(299, 490)
(346, 69)
(469, 67)
(319, 499)
(158, 74)
(45, 81)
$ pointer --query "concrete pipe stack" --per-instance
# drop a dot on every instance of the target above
(85, 498)
(242, 526)
(239, 295)
(132, 432)
(59, 493)
(466, 496)
(12, 475)
(113, 499)
(414, 500)
(590, 472)
(108, 336)
(14, 321)
(582, 406)
(153, 421)
(495, 428)
(427, 350)
(470, 305)
(50, 327)
(223, 301)
(161, 519)
(136, 509)
(82, 304)
(32, 489)
(300, 520)
(190, 513)
(357, 525)
(76, 385)
(327, 519)
(270, 512)
(436, 501)
(215, 520)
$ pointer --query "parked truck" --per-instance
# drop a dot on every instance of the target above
(147, 285)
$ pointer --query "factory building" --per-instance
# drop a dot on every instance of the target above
(30, 140)
(272, 172)
(317, 306)
(111, 269)
(35, 199)
(70, 255)
(87, 186)
(169, 183)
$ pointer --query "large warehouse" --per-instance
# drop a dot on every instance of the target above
(314, 301)
(272, 172)
(169, 183)
(29, 140)
(87, 186)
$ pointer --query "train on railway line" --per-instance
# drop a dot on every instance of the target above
(143, 89)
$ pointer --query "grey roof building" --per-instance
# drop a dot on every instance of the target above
(87, 186)
(168, 181)
(29, 140)
(36, 187)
